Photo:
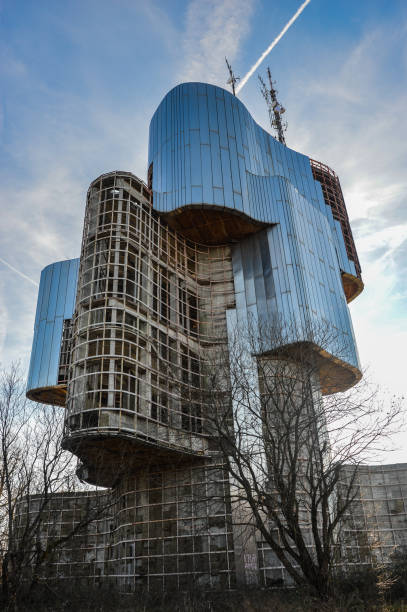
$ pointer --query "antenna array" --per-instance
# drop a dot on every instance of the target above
(275, 109)
(232, 80)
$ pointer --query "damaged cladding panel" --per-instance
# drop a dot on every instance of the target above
(47, 375)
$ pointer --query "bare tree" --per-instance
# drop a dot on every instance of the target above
(34, 468)
(284, 444)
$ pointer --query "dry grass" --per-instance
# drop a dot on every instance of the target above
(107, 600)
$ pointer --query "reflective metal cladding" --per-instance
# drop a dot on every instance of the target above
(205, 149)
(55, 306)
(208, 158)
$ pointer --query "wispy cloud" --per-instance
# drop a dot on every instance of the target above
(3, 261)
(346, 107)
(214, 29)
(361, 106)
(161, 23)
(53, 147)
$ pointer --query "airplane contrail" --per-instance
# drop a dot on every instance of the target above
(273, 44)
(18, 272)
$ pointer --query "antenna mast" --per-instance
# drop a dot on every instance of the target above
(274, 107)
(232, 80)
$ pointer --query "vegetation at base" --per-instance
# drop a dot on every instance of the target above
(381, 589)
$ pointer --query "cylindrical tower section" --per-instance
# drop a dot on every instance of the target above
(333, 196)
(135, 372)
(47, 376)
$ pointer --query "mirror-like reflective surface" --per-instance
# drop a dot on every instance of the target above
(291, 271)
(206, 149)
(56, 303)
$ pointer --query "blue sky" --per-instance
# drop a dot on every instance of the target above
(80, 81)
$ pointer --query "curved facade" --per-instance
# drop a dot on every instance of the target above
(50, 353)
(206, 151)
(147, 301)
(208, 158)
(333, 196)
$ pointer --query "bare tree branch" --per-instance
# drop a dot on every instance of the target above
(286, 446)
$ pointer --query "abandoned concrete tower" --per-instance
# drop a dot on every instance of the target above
(231, 226)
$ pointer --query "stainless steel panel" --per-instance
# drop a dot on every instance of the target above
(245, 168)
(56, 302)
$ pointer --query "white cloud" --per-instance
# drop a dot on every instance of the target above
(64, 138)
(351, 116)
(214, 29)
